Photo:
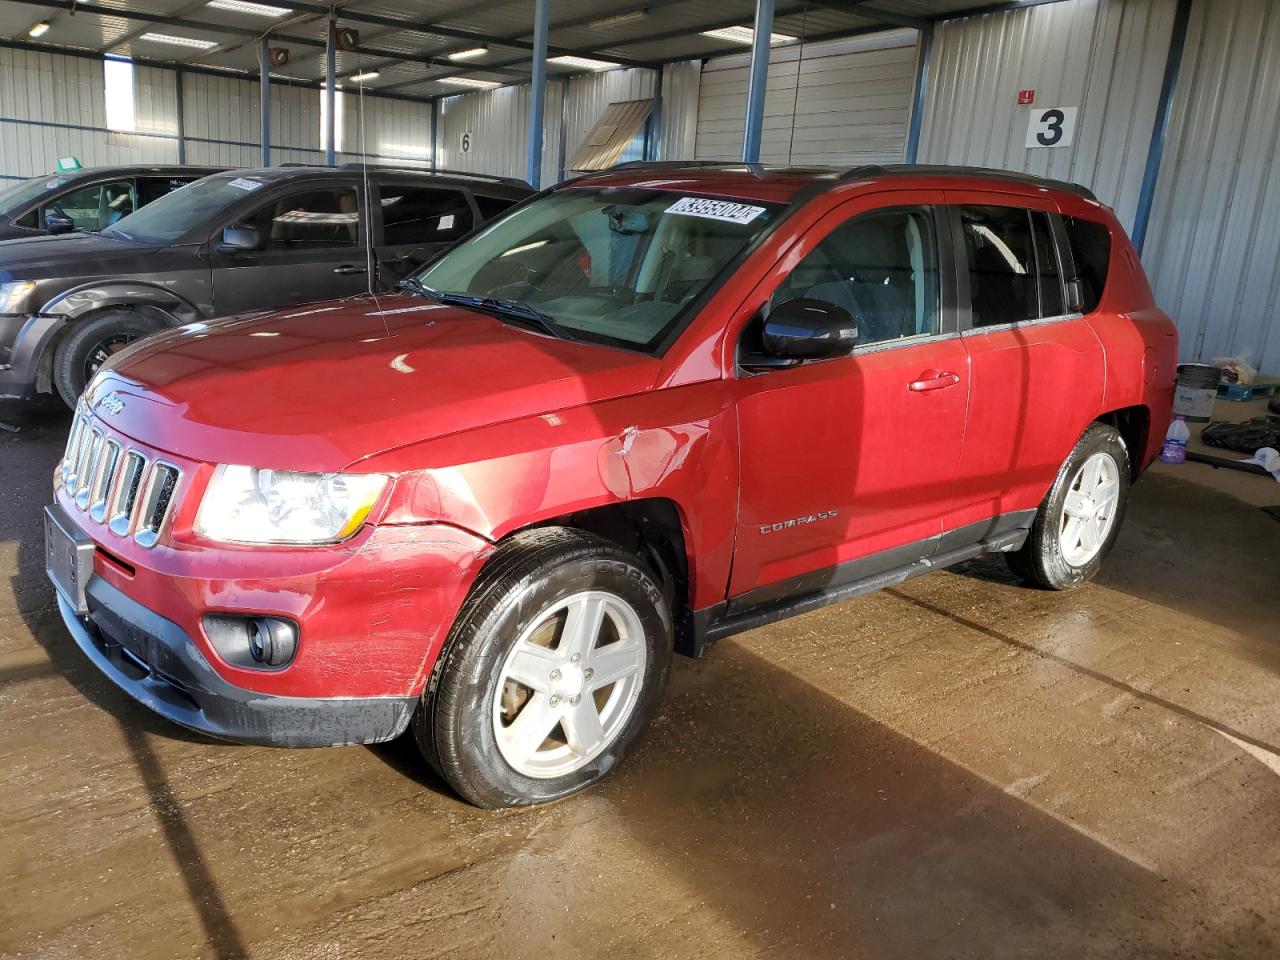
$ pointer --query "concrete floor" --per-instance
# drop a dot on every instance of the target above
(961, 767)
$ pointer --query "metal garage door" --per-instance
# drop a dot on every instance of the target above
(852, 104)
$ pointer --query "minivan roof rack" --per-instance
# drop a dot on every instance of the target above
(444, 172)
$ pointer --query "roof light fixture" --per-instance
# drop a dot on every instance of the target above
(190, 42)
(38, 30)
(584, 63)
(469, 82)
(253, 9)
(745, 35)
(468, 53)
(364, 77)
(618, 19)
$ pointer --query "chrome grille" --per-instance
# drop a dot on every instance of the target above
(115, 485)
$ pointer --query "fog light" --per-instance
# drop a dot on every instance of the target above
(272, 641)
(262, 642)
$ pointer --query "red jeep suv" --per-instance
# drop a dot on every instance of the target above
(640, 412)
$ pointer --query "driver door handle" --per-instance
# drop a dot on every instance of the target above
(349, 269)
(933, 380)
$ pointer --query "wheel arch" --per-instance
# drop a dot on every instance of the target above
(655, 530)
(1134, 426)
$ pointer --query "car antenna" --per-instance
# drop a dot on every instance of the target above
(370, 283)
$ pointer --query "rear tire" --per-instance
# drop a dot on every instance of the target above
(88, 344)
(517, 713)
(1078, 522)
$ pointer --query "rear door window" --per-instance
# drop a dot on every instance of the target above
(316, 219)
(415, 215)
(1048, 270)
(1091, 251)
(153, 188)
(1001, 259)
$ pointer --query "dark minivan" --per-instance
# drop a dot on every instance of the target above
(87, 199)
(231, 243)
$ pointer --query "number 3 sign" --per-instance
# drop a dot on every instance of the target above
(1051, 127)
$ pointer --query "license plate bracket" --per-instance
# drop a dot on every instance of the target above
(68, 557)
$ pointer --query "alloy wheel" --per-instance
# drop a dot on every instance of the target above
(569, 684)
(1089, 509)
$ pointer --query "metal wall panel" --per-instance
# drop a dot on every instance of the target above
(1104, 57)
(1213, 247)
(53, 106)
(679, 120)
(839, 103)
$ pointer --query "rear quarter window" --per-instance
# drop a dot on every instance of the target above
(1091, 251)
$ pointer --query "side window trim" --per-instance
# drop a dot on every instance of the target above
(1055, 254)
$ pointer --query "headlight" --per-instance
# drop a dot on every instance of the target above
(13, 296)
(248, 505)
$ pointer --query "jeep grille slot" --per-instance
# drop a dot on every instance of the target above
(101, 486)
(85, 468)
(73, 450)
(126, 494)
(156, 503)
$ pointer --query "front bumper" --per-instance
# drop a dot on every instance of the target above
(154, 661)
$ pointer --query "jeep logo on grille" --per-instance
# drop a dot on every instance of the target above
(111, 403)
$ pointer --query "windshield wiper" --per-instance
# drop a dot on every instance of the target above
(417, 288)
(504, 309)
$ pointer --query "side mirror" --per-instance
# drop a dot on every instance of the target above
(58, 223)
(806, 329)
(240, 239)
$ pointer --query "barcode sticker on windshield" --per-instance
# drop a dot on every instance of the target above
(715, 209)
(244, 183)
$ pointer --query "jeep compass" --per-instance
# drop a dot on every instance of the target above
(643, 411)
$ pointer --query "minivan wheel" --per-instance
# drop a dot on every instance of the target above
(90, 343)
(553, 668)
(1078, 522)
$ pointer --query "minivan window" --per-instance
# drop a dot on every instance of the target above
(417, 215)
(316, 219)
(177, 214)
(618, 266)
(93, 207)
(18, 195)
(882, 268)
(1091, 251)
(490, 207)
(1002, 264)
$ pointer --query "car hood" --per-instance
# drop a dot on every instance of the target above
(322, 386)
(69, 255)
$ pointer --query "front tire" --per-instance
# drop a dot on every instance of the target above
(1078, 522)
(89, 343)
(552, 670)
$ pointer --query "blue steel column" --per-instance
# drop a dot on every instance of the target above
(181, 116)
(917, 106)
(1155, 152)
(538, 94)
(330, 69)
(653, 137)
(264, 96)
(758, 81)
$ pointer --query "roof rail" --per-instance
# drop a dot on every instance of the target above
(442, 171)
(986, 173)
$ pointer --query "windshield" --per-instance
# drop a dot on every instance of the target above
(612, 265)
(178, 213)
(18, 195)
